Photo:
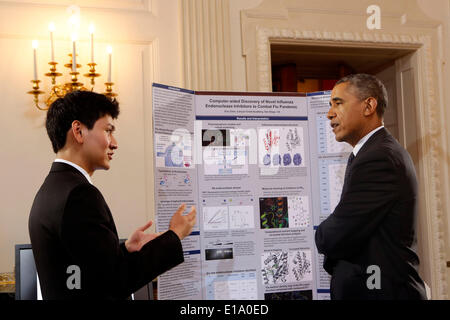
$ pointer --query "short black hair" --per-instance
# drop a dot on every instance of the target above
(84, 106)
(366, 86)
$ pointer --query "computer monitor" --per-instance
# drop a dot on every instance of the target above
(26, 276)
(27, 281)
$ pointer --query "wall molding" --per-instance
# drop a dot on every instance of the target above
(265, 36)
(151, 73)
(206, 44)
(148, 6)
(432, 146)
(280, 10)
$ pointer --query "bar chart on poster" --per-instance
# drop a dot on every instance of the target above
(263, 170)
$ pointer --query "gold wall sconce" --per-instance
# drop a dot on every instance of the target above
(60, 90)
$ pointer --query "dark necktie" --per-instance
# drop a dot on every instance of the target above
(347, 172)
(350, 159)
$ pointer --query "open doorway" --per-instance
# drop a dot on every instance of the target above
(310, 68)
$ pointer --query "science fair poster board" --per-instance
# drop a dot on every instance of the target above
(263, 170)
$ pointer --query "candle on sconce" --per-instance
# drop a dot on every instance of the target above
(35, 44)
(109, 50)
(91, 31)
(74, 53)
(51, 28)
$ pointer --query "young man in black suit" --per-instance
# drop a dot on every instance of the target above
(73, 235)
(369, 241)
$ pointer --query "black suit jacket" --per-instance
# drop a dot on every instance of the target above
(374, 224)
(71, 224)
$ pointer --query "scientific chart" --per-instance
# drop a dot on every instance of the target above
(263, 170)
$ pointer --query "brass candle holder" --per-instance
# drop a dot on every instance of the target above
(92, 74)
(69, 64)
(53, 74)
(60, 90)
(109, 93)
(36, 92)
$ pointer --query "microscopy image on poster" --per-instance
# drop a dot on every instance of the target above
(273, 212)
(269, 147)
(289, 295)
(281, 147)
(284, 212)
(219, 254)
(215, 138)
(292, 147)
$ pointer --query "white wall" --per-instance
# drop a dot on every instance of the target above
(146, 47)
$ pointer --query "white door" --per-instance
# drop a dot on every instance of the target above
(389, 79)
(407, 75)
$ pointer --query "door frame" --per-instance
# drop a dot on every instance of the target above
(259, 78)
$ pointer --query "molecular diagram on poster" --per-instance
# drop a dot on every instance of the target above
(275, 267)
(300, 265)
(298, 211)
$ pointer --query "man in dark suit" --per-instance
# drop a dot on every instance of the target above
(369, 241)
(73, 235)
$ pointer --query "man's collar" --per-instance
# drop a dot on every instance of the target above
(76, 167)
(363, 140)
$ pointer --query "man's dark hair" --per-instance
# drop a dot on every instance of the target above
(365, 86)
(84, 106)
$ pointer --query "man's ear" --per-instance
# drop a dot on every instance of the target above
(371, 106)
(77, 129)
